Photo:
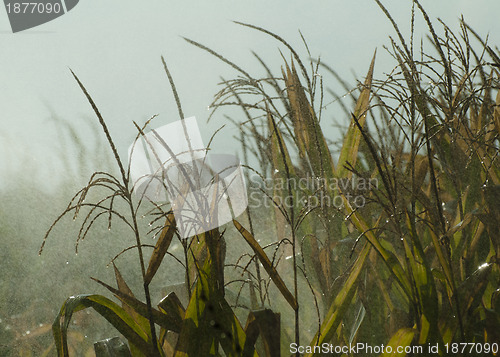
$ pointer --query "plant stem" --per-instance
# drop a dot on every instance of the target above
(128, 197)
(156, 352)
(292, 226)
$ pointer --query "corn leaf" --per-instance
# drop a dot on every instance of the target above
(388, 257)
(350, 146)
(197, 254)
(112, 312)
(166, 321)
(209, 321)
(423, 280)
(265, 323)
(140, 320)
(282, 168)
(401, 339)
(270, 269)
(335, 314)
(310, 139)
(161, 248)
(171, 306)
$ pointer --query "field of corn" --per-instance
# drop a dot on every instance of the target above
(388, 236)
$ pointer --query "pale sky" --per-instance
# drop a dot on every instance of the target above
(114, 46)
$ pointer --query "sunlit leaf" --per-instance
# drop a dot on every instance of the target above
(352, 139)
(311, 141)
(115, 315)
(399, 341)
(161, 247)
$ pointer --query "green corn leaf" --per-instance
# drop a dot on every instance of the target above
(198, 321)
(350, 146)
(209, 322)
(401, 339)
(140, 320)
(342, 302)
(169, 322)
(423, 280)
(112, 312)
(171, 305)
(197, 253)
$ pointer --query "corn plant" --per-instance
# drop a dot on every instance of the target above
(208, 318)
(429, 231)
(416, 264)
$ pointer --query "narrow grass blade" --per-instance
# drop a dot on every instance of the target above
(360, 317)
(319, 263)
